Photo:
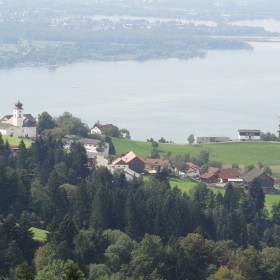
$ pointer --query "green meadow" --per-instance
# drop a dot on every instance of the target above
(15, 141)
(39, 234)
(185, 185)
(243, 153)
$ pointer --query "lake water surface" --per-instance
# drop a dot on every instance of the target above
(213, 96)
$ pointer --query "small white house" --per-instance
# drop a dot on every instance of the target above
(120, 166)
(90, 146)
(192, 170)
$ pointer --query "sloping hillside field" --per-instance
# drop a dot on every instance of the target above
(243, 153)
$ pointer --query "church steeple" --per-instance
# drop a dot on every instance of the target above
(18, 114)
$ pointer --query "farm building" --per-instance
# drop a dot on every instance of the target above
(156, 163)
(249, 134)
(209, 178)
(222, 175)
(266, 182)
(193, 170)
(228, 174)
(214, 139)
(133, 161)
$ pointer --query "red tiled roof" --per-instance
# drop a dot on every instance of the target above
(207, 175)
(127, 158)
(229, 173)
(192, 167)
(213, 170)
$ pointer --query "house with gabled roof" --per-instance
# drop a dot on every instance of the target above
(192, 170)
(266, 181)
(222, 175)
(103, 129)
(228, 173)
(132, 160)
(209, 178)
(156, 163)
(213, 170)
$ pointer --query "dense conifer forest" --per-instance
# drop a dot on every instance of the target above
(100, 226)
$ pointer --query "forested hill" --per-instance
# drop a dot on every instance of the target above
(103, 227)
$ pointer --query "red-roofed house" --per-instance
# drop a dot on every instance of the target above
(229, 173)
(209, 178)
(213, 170)
(192, 170)
(133, 161)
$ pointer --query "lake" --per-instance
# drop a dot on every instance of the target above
(213, 96)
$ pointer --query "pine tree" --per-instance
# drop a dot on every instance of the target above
(22, 156)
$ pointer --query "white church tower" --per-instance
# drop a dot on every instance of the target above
(18, 114)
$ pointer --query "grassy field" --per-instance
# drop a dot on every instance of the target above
(185, 185)
(271, 199)
(243, 153)
(39, 234)
(15, 141)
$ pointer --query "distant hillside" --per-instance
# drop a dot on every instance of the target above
(243, 153)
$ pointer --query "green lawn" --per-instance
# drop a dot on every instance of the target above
(243, 153)
(271, 199)
(144, 148)
(184, 184)
(15, 141)
(39, 234)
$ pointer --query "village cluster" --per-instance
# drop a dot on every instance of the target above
(22, 125)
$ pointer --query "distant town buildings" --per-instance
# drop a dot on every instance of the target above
(18, 124)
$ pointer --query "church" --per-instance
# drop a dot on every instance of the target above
(18, 125)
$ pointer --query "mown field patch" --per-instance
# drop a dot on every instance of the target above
(39, 234)
(185, 185)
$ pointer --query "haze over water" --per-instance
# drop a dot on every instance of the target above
(214, 96)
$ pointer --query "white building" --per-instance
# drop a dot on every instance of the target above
(90, 145)
(211, 139)
(249, 134)
(18, 124)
